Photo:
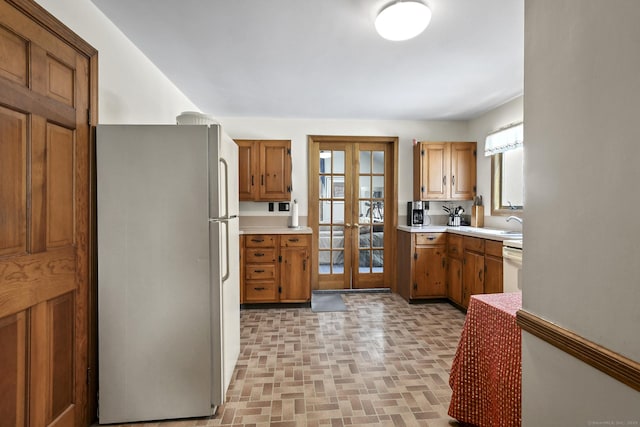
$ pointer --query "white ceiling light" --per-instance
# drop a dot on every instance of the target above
(403, 20)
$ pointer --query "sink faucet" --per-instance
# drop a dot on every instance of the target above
(514, 218)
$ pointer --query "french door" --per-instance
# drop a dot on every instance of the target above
(353, 211)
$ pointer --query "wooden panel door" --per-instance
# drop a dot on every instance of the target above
(435, 170)
(275, 170)
(472, 276)
(247, 164)
(493, 274)
(430, 272)
(463, 170)
(45, 229)
(295, 282)
(454, 289)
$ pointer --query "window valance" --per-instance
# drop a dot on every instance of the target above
(505, 139)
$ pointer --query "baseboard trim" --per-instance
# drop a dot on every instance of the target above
(611, 363)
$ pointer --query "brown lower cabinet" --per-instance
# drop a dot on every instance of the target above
(421, 268)
(447, 265)
(275, 268)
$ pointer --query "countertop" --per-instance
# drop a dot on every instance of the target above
(274, 230)
(485, 233)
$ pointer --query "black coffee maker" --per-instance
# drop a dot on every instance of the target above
(415, 213)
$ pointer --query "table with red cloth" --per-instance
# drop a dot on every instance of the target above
(486, 375)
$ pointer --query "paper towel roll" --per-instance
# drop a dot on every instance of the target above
(294, 214)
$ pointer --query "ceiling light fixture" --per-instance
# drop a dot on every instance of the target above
(403, 20)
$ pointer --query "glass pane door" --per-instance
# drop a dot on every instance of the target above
(334, 240)
(370, 217)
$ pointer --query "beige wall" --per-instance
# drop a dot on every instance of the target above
(581, 269)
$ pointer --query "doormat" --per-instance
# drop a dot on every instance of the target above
(321, 302)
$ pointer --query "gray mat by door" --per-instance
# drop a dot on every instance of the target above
(327, 302)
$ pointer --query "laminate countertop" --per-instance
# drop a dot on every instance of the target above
(274, 230)
(484, 233)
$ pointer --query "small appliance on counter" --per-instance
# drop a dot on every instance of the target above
(415, 213)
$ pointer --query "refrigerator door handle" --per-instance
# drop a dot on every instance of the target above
(226, 257)
(226, 187)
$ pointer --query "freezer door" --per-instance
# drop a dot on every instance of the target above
(225, 293)
(153, 273)
(223, 176)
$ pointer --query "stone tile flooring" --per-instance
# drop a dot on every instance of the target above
(383, 362)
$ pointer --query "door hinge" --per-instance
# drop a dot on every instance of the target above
(279, 289)
(415, 255)
(415, 286)
(422, 152)
(474, 153)
(88, 116)
(474, 188)
(288, 151)
(279, 258)
(289, 189)
(422, 189)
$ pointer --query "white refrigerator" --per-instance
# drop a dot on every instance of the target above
(168, 270)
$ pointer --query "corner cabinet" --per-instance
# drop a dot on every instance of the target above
(275, 268)
(264, 169)
(421, 272)
(444, 171)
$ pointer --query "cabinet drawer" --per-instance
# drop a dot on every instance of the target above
(295, 240)
(473, 244)
(260, 292)
(454, 245)
(260, 241)
(260, 272)
(257, 255)
(492, 247)
(431, 239)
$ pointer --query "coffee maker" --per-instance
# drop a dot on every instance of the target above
(415, 213)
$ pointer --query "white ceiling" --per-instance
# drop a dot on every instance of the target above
(323, 58)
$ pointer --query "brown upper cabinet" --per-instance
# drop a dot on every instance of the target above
(265, 170)
(444, 171)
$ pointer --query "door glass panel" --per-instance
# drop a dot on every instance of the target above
(338, 162)
(337, 238)
(365, 186)
(338, 213)
(365, 162)
(378, 260)
(364, 263)
(338, 188)
(337, 265)
(378, 187)
(378, 162)
(325, 212)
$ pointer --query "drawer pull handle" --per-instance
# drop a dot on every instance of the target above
(294, 240)
(431, 238)
(257, 240)
(258, 271)
(259, 289)
(258, 254)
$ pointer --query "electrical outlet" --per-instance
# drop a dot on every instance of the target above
(270, 206)
(283, 207)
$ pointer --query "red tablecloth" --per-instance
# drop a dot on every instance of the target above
(486, 375)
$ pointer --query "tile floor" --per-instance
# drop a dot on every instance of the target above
(383, 362)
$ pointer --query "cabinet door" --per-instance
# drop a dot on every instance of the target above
(454, 290)
(493, 274)
(430, 272)
(463, 170)
(472, 276)
(433, 171)
(275, 170)
(247, 165)
(295, 280)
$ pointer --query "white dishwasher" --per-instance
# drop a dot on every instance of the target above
(512, 265)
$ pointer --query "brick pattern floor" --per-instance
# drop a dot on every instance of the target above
(383, 362)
